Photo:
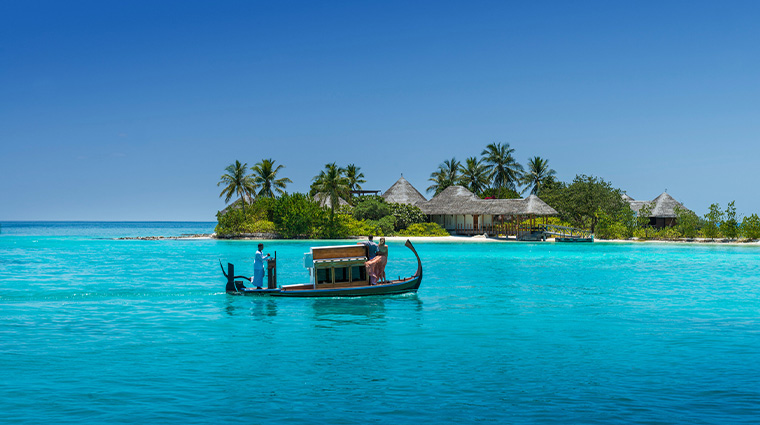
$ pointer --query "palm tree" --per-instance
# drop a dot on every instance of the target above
(474, 175)
(265, 176)
(332, 182)
(504, 171)
(446, 175)
(237, 182)
(538, 172)
(355, 178)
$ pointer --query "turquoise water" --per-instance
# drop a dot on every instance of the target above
(122, 331)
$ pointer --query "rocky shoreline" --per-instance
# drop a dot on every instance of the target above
(159, 238)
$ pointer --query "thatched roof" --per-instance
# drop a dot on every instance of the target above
(458, 200)
(233, 206)
(324, 200)
(661, 206)
(664, 206)
(535, 206)
(452, 200)
(402, 192)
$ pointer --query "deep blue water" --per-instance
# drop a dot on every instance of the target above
(122, 331)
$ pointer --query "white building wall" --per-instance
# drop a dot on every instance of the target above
(468, 221)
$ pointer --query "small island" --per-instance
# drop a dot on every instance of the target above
(491, 195)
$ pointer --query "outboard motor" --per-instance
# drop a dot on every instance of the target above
(231, 278)
(272, 272)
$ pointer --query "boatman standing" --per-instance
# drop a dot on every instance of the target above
(258, 267)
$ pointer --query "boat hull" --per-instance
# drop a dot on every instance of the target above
(392, 288)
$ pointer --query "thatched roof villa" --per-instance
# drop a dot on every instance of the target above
(324, 200)
(662, 208)
(402, 192)
(460, 211)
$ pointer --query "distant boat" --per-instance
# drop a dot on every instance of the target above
(335, 271)
(575, 239)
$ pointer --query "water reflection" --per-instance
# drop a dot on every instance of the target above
(252, 306)
(361, 310)
(348, 310)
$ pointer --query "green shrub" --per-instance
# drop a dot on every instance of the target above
(371, 208)
(643, 233)
(297, 215)
(236, 221)
(384, 226)
(667, 233)
(406, 215)
(618, 226)
(613, 230)
(424, 229)
(346, 225)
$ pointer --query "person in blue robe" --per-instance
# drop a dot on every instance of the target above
(258, 267)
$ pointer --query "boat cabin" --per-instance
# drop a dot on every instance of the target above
(335, 267)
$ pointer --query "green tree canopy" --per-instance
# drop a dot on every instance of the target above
(333, 183)
(265, 177)
(475, 175)
(371, 208)
(730, 226)
(355, 177)
(537, 173)
(503, 170)
(297, 215)
(446, 175)
(687, 222)
(713, 219)
(580, 202)
(751, 226)
(236, 181)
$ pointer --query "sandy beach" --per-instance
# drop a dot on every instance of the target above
(481, 239)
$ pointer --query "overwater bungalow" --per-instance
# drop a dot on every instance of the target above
(662, 209)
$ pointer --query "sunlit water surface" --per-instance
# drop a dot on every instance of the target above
(94, 329)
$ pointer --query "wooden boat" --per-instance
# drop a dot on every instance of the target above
(336, 271)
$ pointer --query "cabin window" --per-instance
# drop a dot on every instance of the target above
(341, 274)
(324, 276)
(358, 272)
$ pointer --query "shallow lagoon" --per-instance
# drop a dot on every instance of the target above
(100, 330)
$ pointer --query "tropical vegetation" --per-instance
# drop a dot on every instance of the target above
(236, 181)
(265, 178)
(590, 202)
(504, 171)
(274, 213)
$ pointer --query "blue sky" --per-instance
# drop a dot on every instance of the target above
(132, 111)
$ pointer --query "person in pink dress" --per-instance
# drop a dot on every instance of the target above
(376, 266)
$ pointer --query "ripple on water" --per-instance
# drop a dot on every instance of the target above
(140, 331)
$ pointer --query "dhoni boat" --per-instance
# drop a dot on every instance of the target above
(334, 271)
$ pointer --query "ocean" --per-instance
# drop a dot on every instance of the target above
(99, 330)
